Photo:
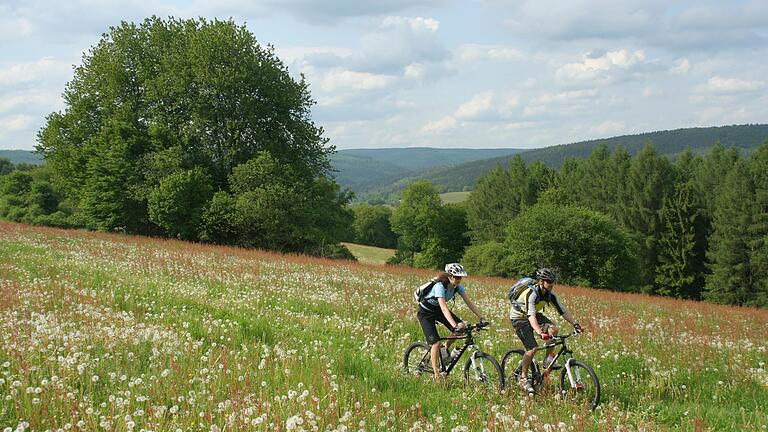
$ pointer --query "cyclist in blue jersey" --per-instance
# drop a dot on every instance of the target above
(434, 308)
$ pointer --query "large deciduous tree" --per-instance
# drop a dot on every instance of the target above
(153, 100)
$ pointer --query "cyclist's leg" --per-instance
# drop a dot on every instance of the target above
(547, 325)
(428, 320)
(524, 331)
(444, 321)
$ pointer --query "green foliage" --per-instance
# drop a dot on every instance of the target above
(5, 166)
(372, 226)
(731, 280)
(758, 258)
(417, 216)
(219, 223)
(424, 225)
(177, 203)
(585, 247)
(155, 105)
(680, 272)
(448, 242)
(486, 259)
(27, 196)
(649, 183)
(497, 198)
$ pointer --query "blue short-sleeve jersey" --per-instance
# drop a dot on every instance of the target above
(439, 290)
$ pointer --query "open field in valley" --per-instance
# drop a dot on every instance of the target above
(370, 254)
(111, 332)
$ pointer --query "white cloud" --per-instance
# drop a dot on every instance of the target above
(720, 85)
(682, 67)
(337, 85)
(415, 71)
(599, 67)
(399, 42)
(39, 100)
(474, 52)
(608, 127)
(443, 125)
(475, 107)
(332, 11)
(43, 68)
(15, 122)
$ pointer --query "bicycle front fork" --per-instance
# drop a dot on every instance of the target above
(573, 375)
(477, 365)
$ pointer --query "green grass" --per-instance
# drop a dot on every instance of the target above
(370, 254)
(163, 335)
(454, 197)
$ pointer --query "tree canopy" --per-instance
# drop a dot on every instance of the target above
(162, 123)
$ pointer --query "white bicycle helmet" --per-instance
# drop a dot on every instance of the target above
(455, 269)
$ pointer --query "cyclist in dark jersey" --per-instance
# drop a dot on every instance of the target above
(527, 318)
(434, 308)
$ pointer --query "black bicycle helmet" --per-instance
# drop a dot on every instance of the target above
(546, 274)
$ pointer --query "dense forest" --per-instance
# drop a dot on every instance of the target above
(695, 227)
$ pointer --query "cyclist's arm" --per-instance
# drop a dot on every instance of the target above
(562, 310)
(535, 323)
(568, 317)
(446, 312)
(471, 305)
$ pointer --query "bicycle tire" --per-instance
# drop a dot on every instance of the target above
(417, 360)
(485, 376)
(590, 385)
(511, 366)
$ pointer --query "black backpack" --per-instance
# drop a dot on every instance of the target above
(423, 289)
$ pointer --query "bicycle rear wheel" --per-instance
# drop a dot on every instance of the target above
(585, 387)
(417, 361)
(484, 372)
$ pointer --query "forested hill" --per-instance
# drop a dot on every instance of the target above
(669, 143)
(21, 156)
(365, 169)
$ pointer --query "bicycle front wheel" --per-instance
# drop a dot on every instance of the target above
(417, 360)
(511, 365)
(582, 386)
(484, 371)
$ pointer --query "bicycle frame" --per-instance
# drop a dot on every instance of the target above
(469, 343)
(563, 352)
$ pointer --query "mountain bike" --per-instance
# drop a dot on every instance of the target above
(481, 369)
(578, 381)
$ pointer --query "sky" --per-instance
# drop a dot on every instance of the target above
(450, 74)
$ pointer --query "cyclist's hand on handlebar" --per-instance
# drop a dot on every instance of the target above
(459, 330)
(577, 328)
(483, 323)
(545, 336)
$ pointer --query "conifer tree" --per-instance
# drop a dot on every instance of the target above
(758, 259)
(649, 183)
(498, 198)
(681, 256)
(730, 280)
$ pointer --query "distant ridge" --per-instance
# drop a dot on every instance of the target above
(669, 143)
(365, 169)
(22, 156)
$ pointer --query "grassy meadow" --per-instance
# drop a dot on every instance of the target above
(111, 332)
(454, 197)
(370, 254)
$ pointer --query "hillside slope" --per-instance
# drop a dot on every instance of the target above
(213, 338)
(670, 143)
